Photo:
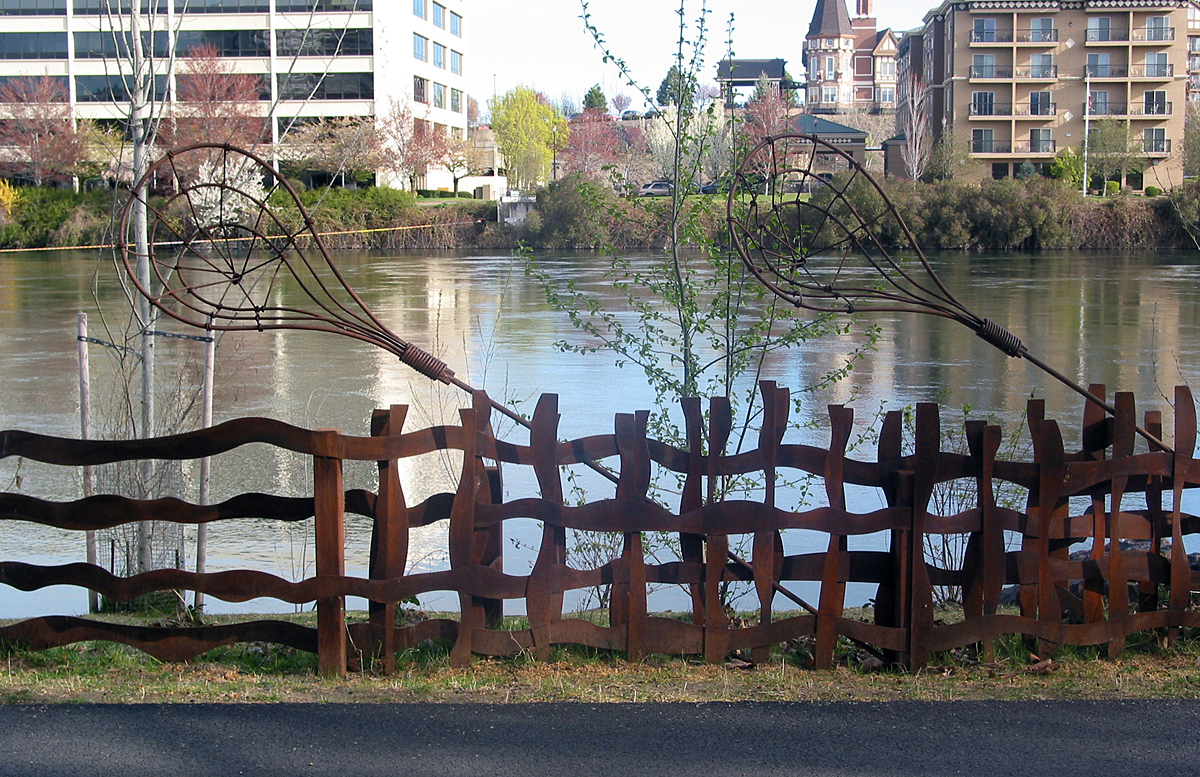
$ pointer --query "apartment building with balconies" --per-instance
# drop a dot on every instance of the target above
(315, 58)
(1016, 82)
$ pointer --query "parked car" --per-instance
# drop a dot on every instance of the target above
(656, 189)
(630, 115)
(719, 186)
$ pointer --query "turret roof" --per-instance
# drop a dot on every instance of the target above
(830, 18)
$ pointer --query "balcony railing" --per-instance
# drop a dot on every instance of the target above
(1037, 36)
(1025, 35)
(1150, 109)
(1156, 146)
(991, 71)
(1095, 35)
(1037, 72)
(991, 147)
(1034, 147)
(1153, 35)
(1038, 109)
(1106, 71)
(991, 109)
(1151, 71)
(991, 36)
(1014, 147)
(1129, 109)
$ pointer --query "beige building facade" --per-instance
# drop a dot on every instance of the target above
(1015, 82)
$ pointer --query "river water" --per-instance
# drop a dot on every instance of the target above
(1129, 321)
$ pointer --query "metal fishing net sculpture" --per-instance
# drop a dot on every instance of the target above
(814, 227)
(229, 236)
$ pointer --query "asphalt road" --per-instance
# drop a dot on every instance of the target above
(1048, 739)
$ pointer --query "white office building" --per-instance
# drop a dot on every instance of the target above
(316, 58)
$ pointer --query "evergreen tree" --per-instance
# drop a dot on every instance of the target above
(595, 101)
(678, 89)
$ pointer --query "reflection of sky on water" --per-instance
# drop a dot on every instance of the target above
(1127, 321)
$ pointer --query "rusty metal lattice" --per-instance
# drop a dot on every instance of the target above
(1122, 589)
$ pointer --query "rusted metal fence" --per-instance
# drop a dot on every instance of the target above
(1122, 591)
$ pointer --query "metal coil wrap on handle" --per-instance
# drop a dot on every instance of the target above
(1006, 341)
(426, 363)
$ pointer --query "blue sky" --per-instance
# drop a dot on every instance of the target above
(543, 44)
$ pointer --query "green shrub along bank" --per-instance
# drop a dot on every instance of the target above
(581, 212)
(36, 217)
(1007, 214)
(578, 213)
(1034, 214)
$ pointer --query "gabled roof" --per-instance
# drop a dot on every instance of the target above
(750, 69)
(886, 42)
(815, 125)
(830, 18)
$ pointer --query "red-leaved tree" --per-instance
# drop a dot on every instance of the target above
(594, 143)
(38, 139)
(766, 112)
(215, 103)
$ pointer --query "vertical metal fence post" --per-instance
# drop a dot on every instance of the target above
(329, 504)
(389, 537)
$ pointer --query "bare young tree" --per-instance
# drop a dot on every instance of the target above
(408, 145)
(36, 123)
(914, 123)
(463, 158)
(340, 147)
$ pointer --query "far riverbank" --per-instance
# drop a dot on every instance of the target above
(572, 213)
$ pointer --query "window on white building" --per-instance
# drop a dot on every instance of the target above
(439, 96)
(421, 90)
(456, 66)
(456, 100)
(439, 56)
(33, 7)
(419, 8)
(420, 47)
(439, 15)
(455, 24)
